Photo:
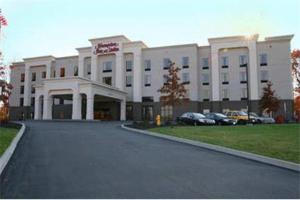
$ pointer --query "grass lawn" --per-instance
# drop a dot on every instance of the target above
(280, 141)
(6, 136)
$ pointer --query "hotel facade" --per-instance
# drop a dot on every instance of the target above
(118, 79)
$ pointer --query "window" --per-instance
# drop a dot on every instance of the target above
(33, 77)
(224, 77)
(185, 78)
(107, 66)
(165, 78)
(263, 59)
(32, 89)
(243, 61)
(167, 112)
(264, 76)
(128, 81)
(147, 113)
(147, 99)
(243, 77)
(206, 95)
(244, 94)
(54, 73)
(22, 89)
(147, 80)
(224, 62)
(147, 65)
(167, 63)
(107, 80)
(21, 101)
(88, 69)
(205, 79)
(76, 71)
(22, 77)
(225, 94)
(205, 63)
(206, 111)
(32, 101)
(185, 62)
(129, 112)
(43, 74)
(128, 64)
(62, 72)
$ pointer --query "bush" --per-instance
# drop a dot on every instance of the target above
(279, 119)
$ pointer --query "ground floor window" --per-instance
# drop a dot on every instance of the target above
(166, 112)
(129, 112)
(147, 113)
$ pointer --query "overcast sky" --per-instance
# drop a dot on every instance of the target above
(57, 27)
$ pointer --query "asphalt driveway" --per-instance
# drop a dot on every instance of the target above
(101, 160)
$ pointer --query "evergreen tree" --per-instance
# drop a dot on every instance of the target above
(269, 102)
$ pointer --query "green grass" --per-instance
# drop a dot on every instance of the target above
(6, 136)
(280, 141)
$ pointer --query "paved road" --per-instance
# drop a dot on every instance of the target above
(101, 160)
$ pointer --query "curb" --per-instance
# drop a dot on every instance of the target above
(10, 150)
(242, 154)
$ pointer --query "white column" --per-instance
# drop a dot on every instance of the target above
(215, 80)
(37, 108)
(81, 66)
(94, 68)
(137, 76)
(47, 110)
(252, 71)
(48, 70)
(123, 110)
(76, 106)
(90, 107)
(120, 71)
(27, 86)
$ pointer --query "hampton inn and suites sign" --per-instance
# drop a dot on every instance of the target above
(104, 48)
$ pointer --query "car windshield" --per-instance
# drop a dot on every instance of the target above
(221, 115)
(198, 115)
(242, 113)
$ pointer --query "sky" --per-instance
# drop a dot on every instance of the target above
(57, 27)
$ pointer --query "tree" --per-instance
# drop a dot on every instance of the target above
(297, 108)
(295, 55)
(269, 102)
(174, 92)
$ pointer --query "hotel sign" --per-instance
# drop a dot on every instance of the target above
(104, 48)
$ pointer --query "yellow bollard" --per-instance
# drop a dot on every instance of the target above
(158, 120)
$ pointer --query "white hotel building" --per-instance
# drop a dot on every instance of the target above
(117, 79)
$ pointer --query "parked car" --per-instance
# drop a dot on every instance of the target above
(261, 119)
(195, 119)
(240, 116)
(221, 119)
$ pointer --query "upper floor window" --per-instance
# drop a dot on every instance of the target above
(224, 77)
(147, 65)
(165, 79)
(88, 69)
(264, 76)
(128, 81)
(243, 61)
(225, 94)
(224, 62)
(22, 89)
(129, 65)
(22, 77)
(21, 101)
(243, 77)
(43, 74)
(185, 62)
(244, 94)
(32, 89)
(76, 71)
(147, 80)
(107, 66)
(263, 59)
(32, 101)
(33, 76)
(54, 73)
(205, 79)
(167, 63)
(205, 95)
(62, 72)
(147, 99)
(107, 80)
(205, 64)
(185, 78)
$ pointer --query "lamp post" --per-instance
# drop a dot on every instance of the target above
(248, 93)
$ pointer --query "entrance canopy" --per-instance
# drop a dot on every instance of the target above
(76, 86)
